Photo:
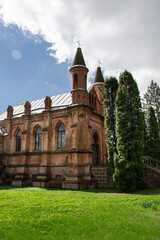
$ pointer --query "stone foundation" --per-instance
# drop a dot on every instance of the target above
(151, 177)
(57, 178)
(102, 177)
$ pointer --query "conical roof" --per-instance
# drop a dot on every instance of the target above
(99, 77)
(79, 60)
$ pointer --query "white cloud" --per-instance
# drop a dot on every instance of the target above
(123, 34)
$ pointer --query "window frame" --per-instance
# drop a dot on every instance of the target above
(18, 140)
(61, 136)
(38, 138)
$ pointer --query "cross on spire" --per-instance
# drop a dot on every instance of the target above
(79, 43)
(99, 62)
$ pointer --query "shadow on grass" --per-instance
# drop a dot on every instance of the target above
(10, 187)
(155, 191)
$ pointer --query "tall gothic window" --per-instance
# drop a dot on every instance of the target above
(95, 149)
(61, 136)
(18, 140)
(38, 139)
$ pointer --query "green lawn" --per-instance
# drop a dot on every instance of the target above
(36, 213)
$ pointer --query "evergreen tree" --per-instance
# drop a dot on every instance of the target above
(152, 98)
(110, 89)
(153, 134)
(145, 136)
(129, 132)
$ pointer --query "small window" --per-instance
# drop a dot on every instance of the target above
(18, 140)
(75, 80)
(92, 99)
(38, 138)
(95, 101)
(61, 136)
(85, 78)
(89, 98)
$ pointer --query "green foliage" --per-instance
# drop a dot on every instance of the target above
(129, 132)
(152, 98)
(45, 214)
(145, 136)
(153, 142)
(110, 89)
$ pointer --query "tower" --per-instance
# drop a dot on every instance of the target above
(79, 79)
(99, 83)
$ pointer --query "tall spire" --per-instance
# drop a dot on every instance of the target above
(79, 79)
(99, 77)
(78, 59)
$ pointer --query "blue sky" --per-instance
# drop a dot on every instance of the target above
(122, 34)
(35, 75)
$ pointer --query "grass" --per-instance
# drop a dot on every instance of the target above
(36, 213)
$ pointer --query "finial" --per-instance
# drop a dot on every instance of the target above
(79, 43)
(99, 62)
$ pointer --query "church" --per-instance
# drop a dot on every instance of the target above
(59, 141)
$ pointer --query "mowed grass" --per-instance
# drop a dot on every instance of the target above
(37, 213)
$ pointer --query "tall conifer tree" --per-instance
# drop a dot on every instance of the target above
(153, 135)
(152, 99)
(145, 136)
(129, 133)
(110, 89)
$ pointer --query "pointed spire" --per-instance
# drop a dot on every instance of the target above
(79, 60)
(99, 77)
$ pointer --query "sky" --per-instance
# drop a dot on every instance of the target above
(38, 41)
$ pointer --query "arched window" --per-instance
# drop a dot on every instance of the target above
(95, 149)
(18, 140)
(61, 136)
(38, 138)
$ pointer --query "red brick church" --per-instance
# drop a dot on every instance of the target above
(58, 141)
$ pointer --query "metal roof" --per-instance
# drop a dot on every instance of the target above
(58, 102)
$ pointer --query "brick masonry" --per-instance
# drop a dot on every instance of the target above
(68, 167)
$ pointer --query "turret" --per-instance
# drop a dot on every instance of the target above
(27, 107)
(9, 112)
(99, 83)
(48, 103)
(79, 79)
